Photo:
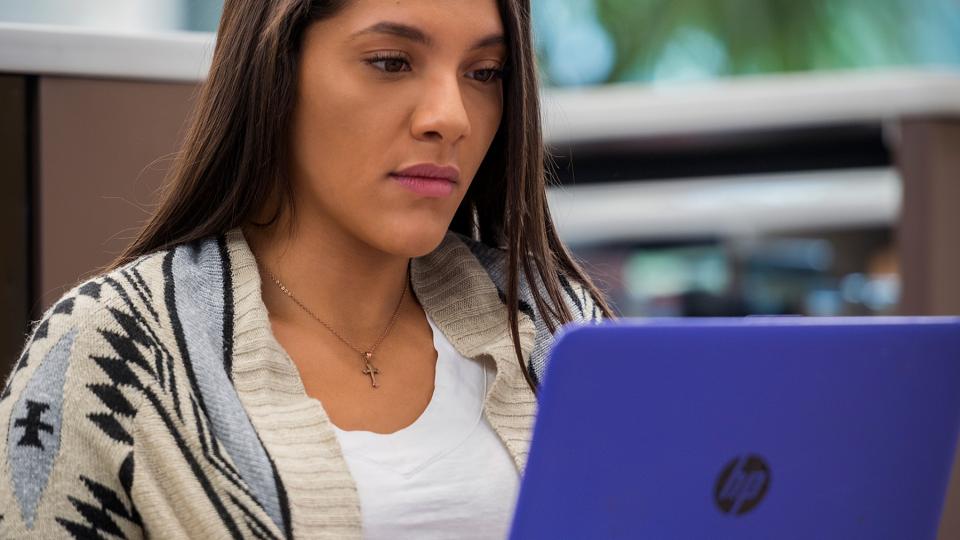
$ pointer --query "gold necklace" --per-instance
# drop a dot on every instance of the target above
(366, 356)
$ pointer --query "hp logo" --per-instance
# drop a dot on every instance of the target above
(742, 484)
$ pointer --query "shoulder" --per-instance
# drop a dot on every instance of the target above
(83, 322)
(81, 311)
(115, 313)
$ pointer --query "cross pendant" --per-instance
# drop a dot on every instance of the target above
(369, 369)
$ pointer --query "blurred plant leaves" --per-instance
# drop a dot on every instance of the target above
(654, 39)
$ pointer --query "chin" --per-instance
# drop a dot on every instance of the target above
(413, 239)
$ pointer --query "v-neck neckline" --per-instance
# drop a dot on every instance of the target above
(453, 413)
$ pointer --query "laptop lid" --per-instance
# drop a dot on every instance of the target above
(746, 428)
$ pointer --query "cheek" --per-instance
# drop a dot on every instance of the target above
(338, 129)
(342, 133)
(489, 107)
(486, 114)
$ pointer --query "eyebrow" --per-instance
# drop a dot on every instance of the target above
(416, 35)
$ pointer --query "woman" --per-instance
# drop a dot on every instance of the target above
(357, 220)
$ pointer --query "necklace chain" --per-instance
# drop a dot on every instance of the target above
(365, 355)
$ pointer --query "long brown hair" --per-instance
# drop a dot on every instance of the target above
(235, 153)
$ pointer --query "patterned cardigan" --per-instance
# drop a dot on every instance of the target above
(154, 401)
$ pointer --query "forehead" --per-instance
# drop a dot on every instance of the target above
(439, 20)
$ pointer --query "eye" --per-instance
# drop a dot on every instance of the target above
(390, 63)
(398, 63)
(486, 75)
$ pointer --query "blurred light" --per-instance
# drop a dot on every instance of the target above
(676, 271)
(579, 50)
(799, 254)
(882, 293)
(824, 303)
(852, 288)
(691, 55)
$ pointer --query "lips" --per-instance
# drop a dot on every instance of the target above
(428, 180)
(430, 171)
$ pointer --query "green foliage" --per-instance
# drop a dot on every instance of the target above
(734, 37)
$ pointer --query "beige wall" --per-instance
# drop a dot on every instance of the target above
(104, 146)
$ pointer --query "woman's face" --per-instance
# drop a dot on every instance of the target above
(385, 86)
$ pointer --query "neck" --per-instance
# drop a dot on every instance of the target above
(349, 285)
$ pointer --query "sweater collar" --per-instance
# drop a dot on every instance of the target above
(457, 293)
(453, 287)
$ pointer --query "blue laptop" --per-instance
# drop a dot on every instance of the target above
(745, 429)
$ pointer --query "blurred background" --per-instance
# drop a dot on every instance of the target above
(656, 41)
(710, 157)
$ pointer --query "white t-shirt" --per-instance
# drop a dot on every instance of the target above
(447, 475)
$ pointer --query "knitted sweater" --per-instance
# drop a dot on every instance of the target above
(155, 401)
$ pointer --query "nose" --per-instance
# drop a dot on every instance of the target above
(441, 114)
